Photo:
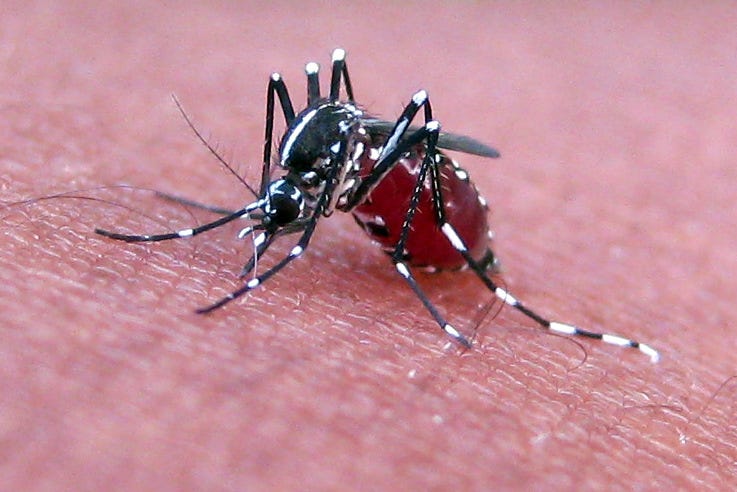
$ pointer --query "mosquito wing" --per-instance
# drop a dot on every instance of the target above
(448, 141)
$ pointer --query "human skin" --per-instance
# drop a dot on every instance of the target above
(613, 206)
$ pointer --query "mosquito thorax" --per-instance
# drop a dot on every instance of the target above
(316, 133)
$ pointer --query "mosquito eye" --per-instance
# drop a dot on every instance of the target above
(284, 209)
(285, 202)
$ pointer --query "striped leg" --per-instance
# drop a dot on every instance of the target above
(394, 148)
(430, 132)
(554, 326)
(139, 238)
(256, 281)
(339, 71)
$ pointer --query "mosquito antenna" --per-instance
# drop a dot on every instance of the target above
(211, 148)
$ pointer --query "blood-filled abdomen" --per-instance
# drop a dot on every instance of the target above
(382, 214)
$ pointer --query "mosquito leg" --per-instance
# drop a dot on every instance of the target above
(553, 326)
(312, 70)
(295, 253)
(136, 238)
(395, 147)
(340, 69)
(278, 87)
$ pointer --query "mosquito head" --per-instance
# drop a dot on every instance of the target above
(282, 204)
(316, 133)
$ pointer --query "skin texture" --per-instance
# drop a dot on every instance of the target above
(613, 204)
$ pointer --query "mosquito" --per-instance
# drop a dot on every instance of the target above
(394, 178)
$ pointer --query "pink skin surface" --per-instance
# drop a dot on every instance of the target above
(613, 207)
